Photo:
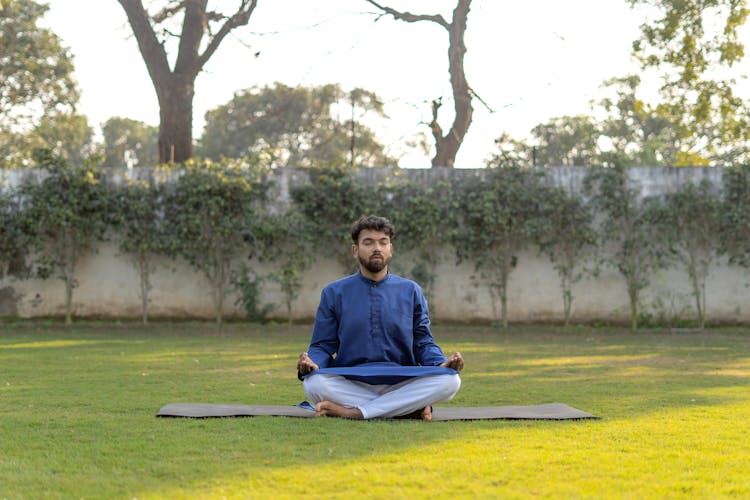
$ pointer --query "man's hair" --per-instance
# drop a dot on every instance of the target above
(373, 223)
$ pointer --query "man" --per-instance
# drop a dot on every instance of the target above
(372, 354)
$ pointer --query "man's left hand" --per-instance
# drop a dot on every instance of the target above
(456, 361)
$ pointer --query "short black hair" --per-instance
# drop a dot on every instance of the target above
(373, 223)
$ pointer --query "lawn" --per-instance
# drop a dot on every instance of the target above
(77, 408)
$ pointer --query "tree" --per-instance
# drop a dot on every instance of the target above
(568, 239)
(498, 215)
(13, 239)
(141, 231)
(291, 235)
(447, 143)
(735, 227)
(65, 213)
(296, 126)
(36, 77)
(175, 87)
(693, 43)
(213, 211)
(626, 230)
(563, 141)
(567, 141)
(130, 143)
(688, 220)
(639, 134)
(419, 214)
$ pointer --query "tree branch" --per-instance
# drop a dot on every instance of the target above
(153, 52)
(240, 18)
(409, 17)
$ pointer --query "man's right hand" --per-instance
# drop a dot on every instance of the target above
(305, 365)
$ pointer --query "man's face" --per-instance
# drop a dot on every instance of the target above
(374, 250)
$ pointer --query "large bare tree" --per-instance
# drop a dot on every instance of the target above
(175, 87)
(448, 143)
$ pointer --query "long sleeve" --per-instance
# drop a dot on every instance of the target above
(426, 351)
(324, 343)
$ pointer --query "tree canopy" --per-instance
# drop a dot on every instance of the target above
(296, 126)
(36, 77)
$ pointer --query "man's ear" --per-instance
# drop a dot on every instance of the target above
(355, 250)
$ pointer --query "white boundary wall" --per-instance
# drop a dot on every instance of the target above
(108, 283)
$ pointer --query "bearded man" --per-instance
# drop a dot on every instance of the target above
(372, 354)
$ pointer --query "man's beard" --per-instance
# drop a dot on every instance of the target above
(374, 266)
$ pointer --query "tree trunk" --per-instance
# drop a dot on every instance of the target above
(447, 146)
(176, 119)
(175, 88)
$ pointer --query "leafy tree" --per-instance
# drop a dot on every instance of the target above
(291, 235)
(499, 214)
(735, 228)
(213, 213)
(66, 213)
(447, 143)
(563, 141)
(13, 239)
(639, 134)
(419, 213)
(568, 239)
(141, 231)
(688, 221)
(567, 141)
(626, 229)
(512, 153)
(36, 77)
(201, 31)
(130, 143)
(296, 126)
(693, 43)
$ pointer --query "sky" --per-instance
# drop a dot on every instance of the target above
(529, 61)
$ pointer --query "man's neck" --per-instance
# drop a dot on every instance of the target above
(373, 276)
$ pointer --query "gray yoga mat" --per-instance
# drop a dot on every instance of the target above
(549, 411)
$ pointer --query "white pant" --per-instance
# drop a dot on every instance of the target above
(382, 401)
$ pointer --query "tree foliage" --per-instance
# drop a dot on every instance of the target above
(130, 143)
(65, 213)
(498, 215)
(36, 77)
(332, 201)
(214, 212)
(687, 221)
(690, 42)
(568, 239)
(736, 215)
(198, 31)
(629, 238)
(141, 231)
(296, 126)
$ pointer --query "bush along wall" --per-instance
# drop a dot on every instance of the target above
(237, 222)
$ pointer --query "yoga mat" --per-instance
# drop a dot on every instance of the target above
(549, 411)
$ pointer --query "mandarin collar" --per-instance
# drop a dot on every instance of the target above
(370, 282)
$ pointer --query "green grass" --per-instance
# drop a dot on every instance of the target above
(77, 420)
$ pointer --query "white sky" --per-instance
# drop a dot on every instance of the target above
(529, 60)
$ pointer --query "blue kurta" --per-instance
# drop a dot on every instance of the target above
(360, 321)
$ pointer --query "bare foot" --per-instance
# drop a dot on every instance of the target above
(423, 414)
(331, 409)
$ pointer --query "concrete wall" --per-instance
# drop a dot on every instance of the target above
(108, 283)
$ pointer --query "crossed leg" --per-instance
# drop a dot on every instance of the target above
(336, 396)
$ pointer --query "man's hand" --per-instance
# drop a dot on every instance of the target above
(305, 365)
(456, 361)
